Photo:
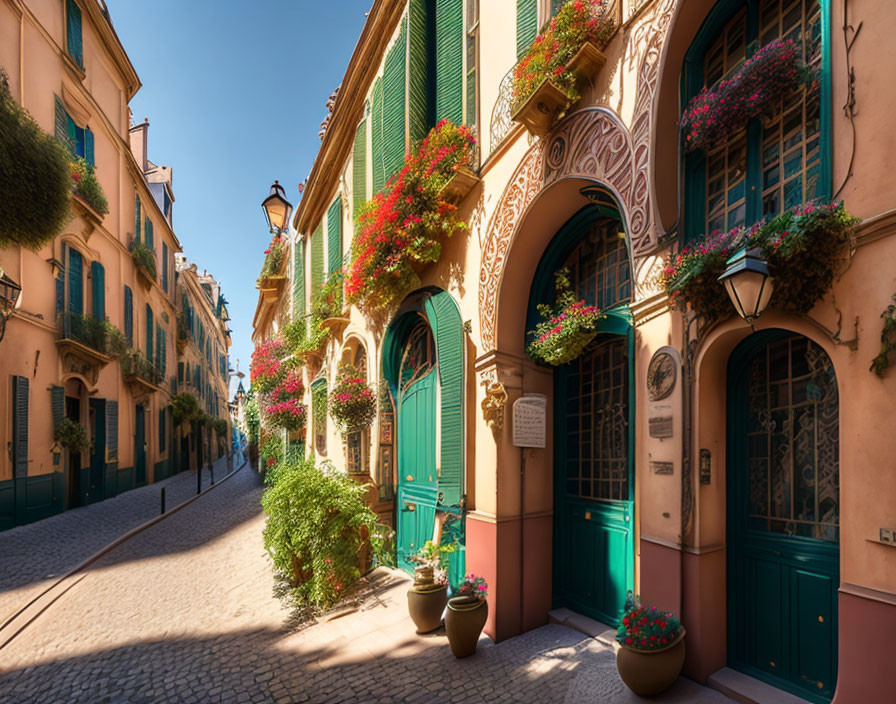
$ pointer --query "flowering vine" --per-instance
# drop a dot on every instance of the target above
(267, 368)
(352, 402)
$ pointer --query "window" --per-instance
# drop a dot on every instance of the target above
(78, 140)
(777, 161)
(73, 33)
(599, 267)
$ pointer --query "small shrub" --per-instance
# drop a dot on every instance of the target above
(71, 434)
(326, 302)
(318, 527)
(88, 188)
(144, 257)
(35, 178)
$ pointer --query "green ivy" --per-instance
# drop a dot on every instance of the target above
(71, 434)
(184, 408)
(35, 178)
(887, 340)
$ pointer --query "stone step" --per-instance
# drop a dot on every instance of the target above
(748, 690)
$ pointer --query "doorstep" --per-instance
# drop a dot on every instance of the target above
(604, 634)
(748, 690)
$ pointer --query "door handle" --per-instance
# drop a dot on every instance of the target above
(408, 506)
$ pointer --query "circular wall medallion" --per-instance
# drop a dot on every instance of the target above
(661, 375)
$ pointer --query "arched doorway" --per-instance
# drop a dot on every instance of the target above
(593, 420)
(783, 513)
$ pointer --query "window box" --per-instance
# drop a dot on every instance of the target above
(587, 63)
(542, 109)
(92, 219)
(462, 182)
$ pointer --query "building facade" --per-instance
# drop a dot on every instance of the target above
(724, 470)
(92, 337)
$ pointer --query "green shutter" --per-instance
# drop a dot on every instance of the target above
(394, 83)
(450, 60)
(526, 25)
(20, 426)
(161, 430)
(128, 315)
(74, 33)
(444, 318)
(75, 282)
(150, 241)
(159, 347)
(137, 217)
(88, 147)
(359, 171)
(98, 277)
(334, 236)
(317, 258)
(112, 431)
(72, 130)
(420, 104)
(165, 267)
(149, 328)
(164, 352)
(377, 163)
(57, 403)
(298, 283)
(61, 121)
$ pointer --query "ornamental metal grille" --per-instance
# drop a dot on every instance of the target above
(597, 422)
(599, 266)
(793, 441)
(787, 142)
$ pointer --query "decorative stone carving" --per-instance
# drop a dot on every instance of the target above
(493, 404)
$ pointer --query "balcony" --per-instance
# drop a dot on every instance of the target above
(140, 374)
(85, 345)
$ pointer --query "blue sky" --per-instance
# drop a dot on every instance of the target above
(234, 91)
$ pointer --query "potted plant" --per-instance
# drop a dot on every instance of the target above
(71, 434)
(428, 596)
(560, 63)
(652, 648)
(352, 402)
(466, 616)
(568, 327)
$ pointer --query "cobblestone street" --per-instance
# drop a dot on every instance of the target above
(184, 612)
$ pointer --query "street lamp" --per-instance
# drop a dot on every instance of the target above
(748, 283)
(9, 297)
(277, 209)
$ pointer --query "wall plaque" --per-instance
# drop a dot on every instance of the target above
(660, 426)
(661, 375)
(705, 466)
(530, 421)
(662, 467)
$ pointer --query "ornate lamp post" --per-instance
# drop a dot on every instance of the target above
(748, 283)
(9, 297)
(277, 209)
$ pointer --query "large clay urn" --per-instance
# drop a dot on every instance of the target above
(464, 621)
(649, 672)
(426, 600)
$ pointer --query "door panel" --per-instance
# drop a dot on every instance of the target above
(140, 447)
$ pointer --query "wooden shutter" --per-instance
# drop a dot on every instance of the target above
(526, 25)
(420, 101)
(359, 171)
(444, 317)
(164, 351)
(88, 147)
(164, 267)
(161, 430)
(159, 347)
(150, 242)
(98, 277)
(129, 315)
(20, 426)
(60, 292)
(149, 328)
(394, 82)
(111, 431)
(334, 235)
(74, 33)
(298, 280)
(450, 61)
(317, 258)
(57, 403)
(137, 217)
(377, 163)
(75, 282)
(61, 121)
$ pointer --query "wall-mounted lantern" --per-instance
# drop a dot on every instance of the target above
(277, 209)
(9, 298)
(748, 283)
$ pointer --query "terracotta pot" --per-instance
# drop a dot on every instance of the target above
(464, 622)
(649, 672)
(426, 604)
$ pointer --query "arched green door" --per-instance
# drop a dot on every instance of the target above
(783, 513)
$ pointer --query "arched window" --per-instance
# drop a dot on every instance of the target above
(776, 161)
(599, 267)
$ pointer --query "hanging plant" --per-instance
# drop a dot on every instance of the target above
(144, 257)
(267, 368)
(289, 415)
(275, 255)
(802, 247)
(71, 434)
(402, 228)
(88, 188)
(887, 340)
(568, 327)
(352, 402)
(184, 408)
(35, 178)
(774, 72)
(548, 59)
(219, 425)
(292, 387)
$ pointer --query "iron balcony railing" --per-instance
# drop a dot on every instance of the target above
(86, 330)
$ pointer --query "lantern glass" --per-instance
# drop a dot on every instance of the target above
(277, 208)
(748, 284)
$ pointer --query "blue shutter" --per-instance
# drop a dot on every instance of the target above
(98, 276)
(149, 328)
(159, 347)
(74, 35)
(62, 119)
(88, 147)
(75, 282)
(165, 267)
(148, 236)
(111, 431)
(129, 315)
(20, 426)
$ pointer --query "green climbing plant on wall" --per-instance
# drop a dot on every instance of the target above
(887, 340)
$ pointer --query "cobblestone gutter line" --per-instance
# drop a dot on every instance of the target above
(45, 599)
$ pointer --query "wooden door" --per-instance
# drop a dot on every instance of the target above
(97, 473)
(140, 447)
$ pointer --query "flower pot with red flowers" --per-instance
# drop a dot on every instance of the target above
(562, 61)
(466, 616)
(568, 327)
(267, 368)
(429, 595)
(652, 649)
(352, 402)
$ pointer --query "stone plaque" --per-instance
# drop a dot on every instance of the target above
(662, 467)
(530, 421)
(660, 426)
(661, 375)
(705, 467)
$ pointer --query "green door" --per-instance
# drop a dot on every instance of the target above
(417, 475)
(140, 447)
(97, 474)
(783, 513)
(593, 510)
